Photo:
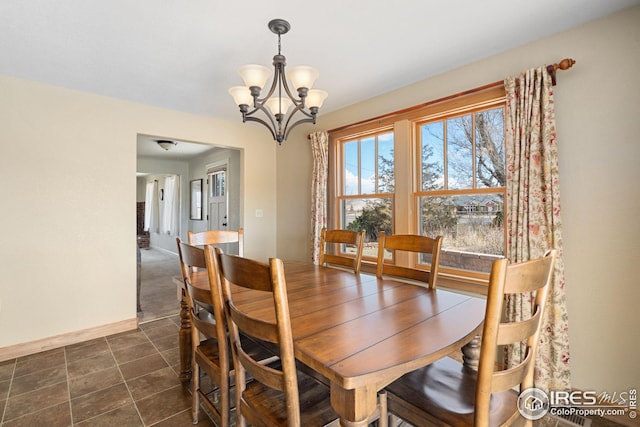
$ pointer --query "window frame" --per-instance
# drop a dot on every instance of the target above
(407, 190)
(418, 192)
(338, 188)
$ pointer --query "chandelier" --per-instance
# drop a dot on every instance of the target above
(278, 107)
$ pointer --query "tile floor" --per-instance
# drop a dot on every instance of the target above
(128, 379)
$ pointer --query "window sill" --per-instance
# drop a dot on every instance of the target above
(448, 281)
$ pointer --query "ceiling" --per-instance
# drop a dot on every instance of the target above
(184, 55)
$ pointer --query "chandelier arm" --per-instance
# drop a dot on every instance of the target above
(261, 107)
(270, 116)
(256, 119)
(293, 112)
(296, 101)
(299, 122)
(272, 89)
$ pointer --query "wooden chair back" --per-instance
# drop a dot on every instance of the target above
(528, 278)
(410, 243)
(217, 237)
(208, 330)
(272, 398)
(449, 393)
(341, 237)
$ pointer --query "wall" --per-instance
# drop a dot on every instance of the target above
(68, 196)
(598, 137)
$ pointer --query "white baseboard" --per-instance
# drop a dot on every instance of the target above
(49, 343)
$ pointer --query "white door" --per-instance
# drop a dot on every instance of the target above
(217, 201)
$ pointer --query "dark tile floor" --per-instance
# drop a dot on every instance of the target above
(125, 380)
(128, 379)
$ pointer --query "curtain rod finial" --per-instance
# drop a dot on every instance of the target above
(565, 64)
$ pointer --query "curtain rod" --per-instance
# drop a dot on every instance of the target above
(564, 64)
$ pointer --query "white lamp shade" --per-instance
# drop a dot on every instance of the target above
(274, 104)
(166, 145)
(241, 95)
(302, 76)
(254, 75)
(315, 98)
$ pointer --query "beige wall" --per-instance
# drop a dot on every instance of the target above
(68, 173)
(599, 147)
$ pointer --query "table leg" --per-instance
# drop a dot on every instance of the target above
(354, 406)
(471, 353)
(184, 342)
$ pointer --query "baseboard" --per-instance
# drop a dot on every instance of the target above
(49, 343)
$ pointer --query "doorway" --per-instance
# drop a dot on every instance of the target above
(220, 171)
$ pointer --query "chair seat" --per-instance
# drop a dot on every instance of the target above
(444, 394)
(271, 404)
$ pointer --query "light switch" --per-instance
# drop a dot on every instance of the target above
(259, 213)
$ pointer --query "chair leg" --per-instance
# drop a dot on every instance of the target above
(383, 421)
(224, 402)
(195, 395)
(393, 420)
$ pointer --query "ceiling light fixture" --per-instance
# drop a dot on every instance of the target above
(279, 105)
(166, 144)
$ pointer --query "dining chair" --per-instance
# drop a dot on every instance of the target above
(279, 395)
(409, 243)
(336, 238)
(209, 338)
(447, 393)
(217, 237)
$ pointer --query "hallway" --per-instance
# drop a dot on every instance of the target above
(158, 295)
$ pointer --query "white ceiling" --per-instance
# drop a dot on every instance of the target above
(183, 55)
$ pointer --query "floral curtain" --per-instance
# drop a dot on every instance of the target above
(320, 151)
(533, 217)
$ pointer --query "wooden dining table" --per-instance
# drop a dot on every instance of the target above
(360, 332)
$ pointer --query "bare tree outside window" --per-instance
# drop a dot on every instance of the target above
(461, 195)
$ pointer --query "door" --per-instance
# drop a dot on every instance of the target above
(218, 200)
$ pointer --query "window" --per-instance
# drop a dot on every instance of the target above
(437, 169)
(365, 194)
(217, 186)
(462, 185)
